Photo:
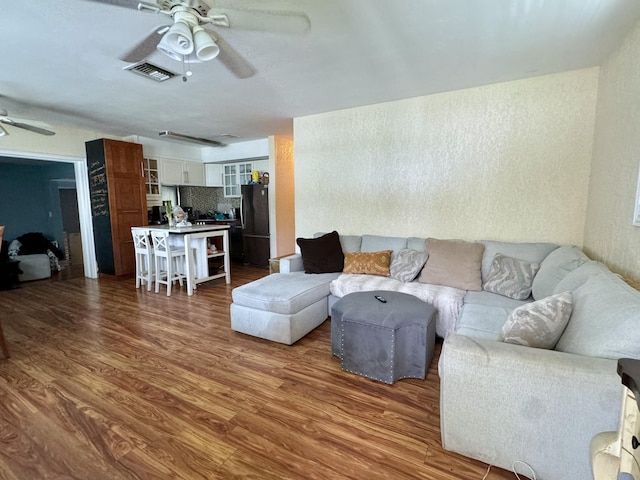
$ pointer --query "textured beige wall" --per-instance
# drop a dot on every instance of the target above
(281, 196)
(609, 233)
(508, 161)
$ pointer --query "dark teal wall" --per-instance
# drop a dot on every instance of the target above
(30, 201)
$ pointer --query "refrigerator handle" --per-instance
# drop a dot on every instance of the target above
(242, 210)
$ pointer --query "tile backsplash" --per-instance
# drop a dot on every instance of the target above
(205, 199)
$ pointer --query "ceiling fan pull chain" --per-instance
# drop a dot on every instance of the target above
(186, 68)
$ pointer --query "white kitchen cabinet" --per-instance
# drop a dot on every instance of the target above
(193, 174)
(179, 172)
(214, 175)
(236, 174)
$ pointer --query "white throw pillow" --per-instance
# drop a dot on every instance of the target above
(538, 324)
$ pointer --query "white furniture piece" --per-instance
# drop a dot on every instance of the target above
(144, 257)
(174, 265)
(616, 455)
(195, 238)
(36, 266)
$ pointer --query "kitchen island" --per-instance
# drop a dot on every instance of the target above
(196, 237)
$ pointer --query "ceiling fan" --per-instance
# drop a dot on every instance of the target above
(24, 124)
(194, 36)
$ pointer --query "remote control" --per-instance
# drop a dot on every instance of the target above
(380, 299)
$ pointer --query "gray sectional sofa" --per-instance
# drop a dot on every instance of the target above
(500, 402)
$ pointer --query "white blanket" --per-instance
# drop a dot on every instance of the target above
(447, 301)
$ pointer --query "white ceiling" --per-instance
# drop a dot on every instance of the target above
(59, 60)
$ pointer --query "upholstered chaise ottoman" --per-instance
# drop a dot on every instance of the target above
(384, 340)
(281, 307)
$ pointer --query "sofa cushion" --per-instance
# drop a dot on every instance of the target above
(510, 277)
(454, 263)
(484, 314)
(529, 252)
(350, 243)
(376, 243)
(417, 243)
(580, 275)
(322, 254)
(554, 268)
(284, 293)
(538, 324)
(370, 263)
(605, 320)
(407, 264)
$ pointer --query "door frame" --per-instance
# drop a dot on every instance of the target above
(84, 202)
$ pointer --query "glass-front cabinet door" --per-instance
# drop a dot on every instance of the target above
(231, 188)
(236, 174)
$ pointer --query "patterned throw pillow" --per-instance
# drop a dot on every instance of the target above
(407, 264)
(538, 324)
(511, 277)
(370, 263)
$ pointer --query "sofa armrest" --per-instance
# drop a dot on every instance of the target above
(292, 263)
(501, 402)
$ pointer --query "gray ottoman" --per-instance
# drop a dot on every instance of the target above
(383, 341)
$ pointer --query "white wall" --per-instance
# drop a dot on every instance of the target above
(609, 233)
(508, 161)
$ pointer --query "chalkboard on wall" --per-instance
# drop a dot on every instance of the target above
(99, 192)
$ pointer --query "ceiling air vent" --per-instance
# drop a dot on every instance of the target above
(150, 70)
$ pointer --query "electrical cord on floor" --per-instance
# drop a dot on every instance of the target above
(513, 467)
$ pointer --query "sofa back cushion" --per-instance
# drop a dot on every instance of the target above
(376, 243)
(417, 243)
(554, 268)
(349, 243)
(580, 275)
(529, 252)
(605, 321)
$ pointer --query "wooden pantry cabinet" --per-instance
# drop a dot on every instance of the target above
(118, 201)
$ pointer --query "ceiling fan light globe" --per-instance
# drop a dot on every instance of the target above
(164, 47)
(205, 47)
(179, 38)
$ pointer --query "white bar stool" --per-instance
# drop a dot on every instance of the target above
(144, 257)
(174, 261)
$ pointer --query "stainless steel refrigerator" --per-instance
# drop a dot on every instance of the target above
(255, 224)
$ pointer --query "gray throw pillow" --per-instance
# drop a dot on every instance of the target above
(407, 264)
(538, 324)
(510, 277)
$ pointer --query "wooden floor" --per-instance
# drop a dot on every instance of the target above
(109, 382)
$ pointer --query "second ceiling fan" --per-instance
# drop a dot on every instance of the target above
(194, 36)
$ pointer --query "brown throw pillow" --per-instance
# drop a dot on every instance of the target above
(453, 263)
(370, 263)
(322, 254)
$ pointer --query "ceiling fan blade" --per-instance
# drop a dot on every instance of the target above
(145, 47)
(231, 59)
(26, 126)
(120, 3)
(292, 23)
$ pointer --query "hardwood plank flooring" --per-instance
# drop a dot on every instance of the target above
(109, 382)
